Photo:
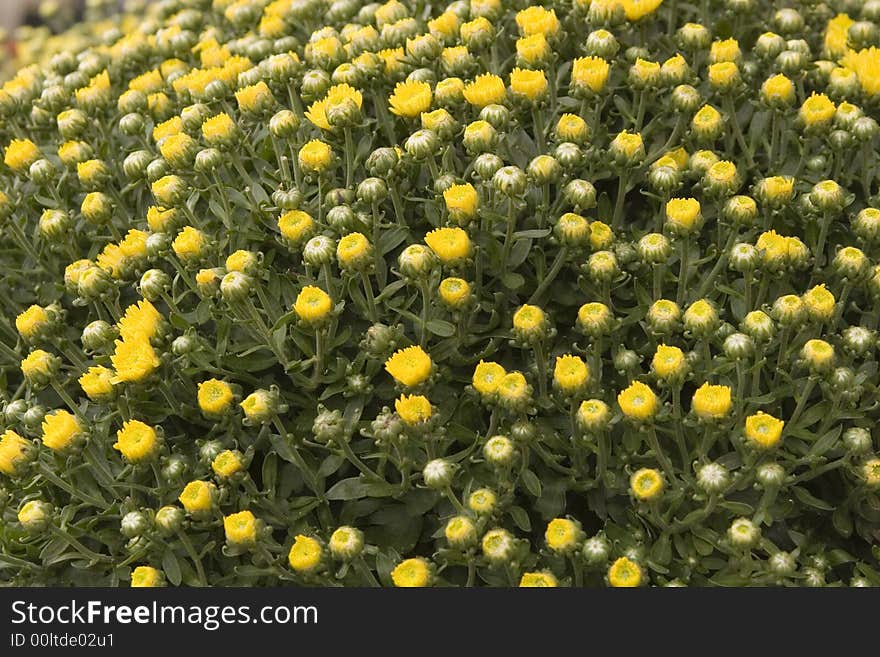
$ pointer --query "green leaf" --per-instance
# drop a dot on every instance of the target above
(826, 442)
(171, 567)
(806, 497)
(440, 327)
(661, 551)
(531, 482)
(352, 488)
(521, 518)
(534, 233)
(512, 280)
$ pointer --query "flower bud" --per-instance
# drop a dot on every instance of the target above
(438, 474)
(499, 451)
(169, 520)
(35, 516)
(134, 524)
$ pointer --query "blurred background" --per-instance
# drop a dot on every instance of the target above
(31, 30)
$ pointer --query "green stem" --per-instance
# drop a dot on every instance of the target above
(555, 268)
(194, 556)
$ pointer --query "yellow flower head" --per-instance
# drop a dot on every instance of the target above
(445, 26)
(563, 535)
(638, 402)
(412, 573)
(514, 389)
(593, 415)
(711, 402)
(32, 322)
(413, 409)
(97, 383)
(571, 373)
(134, 360)
(198, 497)
(543, 579)
(461, 201)
(482, 501)
(866, 65)
(295, 226)
(646, 484)
(61, 430)
(454, 292)
(571, 127)
(410, 98)
(683, 214)
(219, 130)
(140, 320)
(819, 303)
(628, 145)
(835, 45)
(255, 98)
(537, 20)
(215, 397)
(669, 363)
(486, 89)
(871, 472)
(726, 50)
(410, 367)
(645, 73)
(451, 245)
(173, 126)
(624, 573)
(533, 49)
(190, 243)
(449, 91)
(460, 531)
(20, 154)
(305, 554)
(336, 96)
(487, 377)
(817, 111)
(818, 354)
(778, 91)
(354, 250)
(159, 219)
(313, 305)
(636, 10)
(723, 74)
(39, 365)
(15, 451)
(529, 84)
(240, 528)
(137, 441)
(315, 156)
(177, 149)
(763, 430)
(147, 577)
(590, 74)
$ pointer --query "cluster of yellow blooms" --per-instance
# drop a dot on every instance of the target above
(576, 293)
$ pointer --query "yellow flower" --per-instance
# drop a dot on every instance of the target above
(817, 110)
(487, 377)
(227, 463)
(645, 72)
(445, 26)
(454, 292)
(257, 406)
(315, 156)
(836, 36)
(97, 383)
(590, 73)
(451, 245)
(159, 219)
(72, 153)
(669, 362)
(818, 354)
(571, 373)
(543, 579)
(354, 250)
(711, 402)
(563, 535)
(338, 94)
(313, 305)
(255, 97)
(32, 322)
(482, 501)
(646, 484)
(215, 397)
(683, 214)
(866, 65)
(410, 98)
(61, 430)
(20, 154)
(764, 430)
(172, 126)
(461, 201)
(819, 303)
(533, 49)
(177, 149)
(137, 441)
(723, 74)
(218, 130)
(628, 145)
(537, 20)
(413, 409)
(198, 497)
(449, 91)
(638, 402)
(514, 389)
(190, 243)
(14, 452)
(411, 573)
(410, 366)
(134, 360)
(147, 577)
(529, 322)
(140, 320)
(486, 89)
(778, 90)
(624, 573)
(38, 366)
(527, 83)
(593, 415)
(392, 59)
(571, 128)
(871, 472)
(305, 554)
(638, 9)
(725, 51)
(240, 528)
(295, 226)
